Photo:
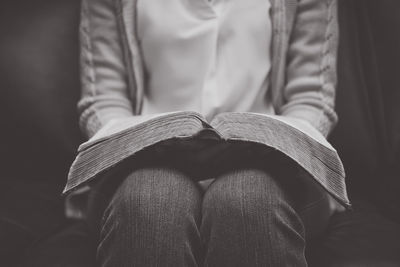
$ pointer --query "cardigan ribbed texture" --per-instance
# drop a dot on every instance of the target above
(303, 76)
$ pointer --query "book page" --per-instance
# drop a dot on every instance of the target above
(124, 138)
(117, 126)
(304, 127)
(300, 125)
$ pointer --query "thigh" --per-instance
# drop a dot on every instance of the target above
(250, 219)
(275, 175)
(152, 218)
(146, 175)
(316, 209)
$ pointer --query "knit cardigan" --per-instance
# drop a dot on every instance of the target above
(303, 74)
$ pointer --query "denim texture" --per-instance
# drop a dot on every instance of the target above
(156, 214)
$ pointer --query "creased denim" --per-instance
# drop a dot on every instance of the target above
(250, 215)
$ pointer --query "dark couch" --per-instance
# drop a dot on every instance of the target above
(39, 81)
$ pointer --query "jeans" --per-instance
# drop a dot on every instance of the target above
(252, 214)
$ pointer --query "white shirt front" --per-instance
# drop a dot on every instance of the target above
(205, 56)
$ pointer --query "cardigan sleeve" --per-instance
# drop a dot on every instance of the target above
(309, 93)
(103, 74)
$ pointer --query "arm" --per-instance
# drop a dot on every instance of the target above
(103, 73)
(309, 93)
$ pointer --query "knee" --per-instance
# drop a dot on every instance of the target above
(146, 192)
(245, 194)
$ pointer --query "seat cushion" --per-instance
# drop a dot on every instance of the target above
(28, 210)
(358, 238)
(72, 246)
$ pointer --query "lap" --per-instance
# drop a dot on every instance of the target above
(244, 167)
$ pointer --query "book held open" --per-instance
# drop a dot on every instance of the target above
(123, 138)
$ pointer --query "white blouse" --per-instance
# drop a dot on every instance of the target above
(205, 56)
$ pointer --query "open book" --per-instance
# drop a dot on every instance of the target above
(122, 138)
